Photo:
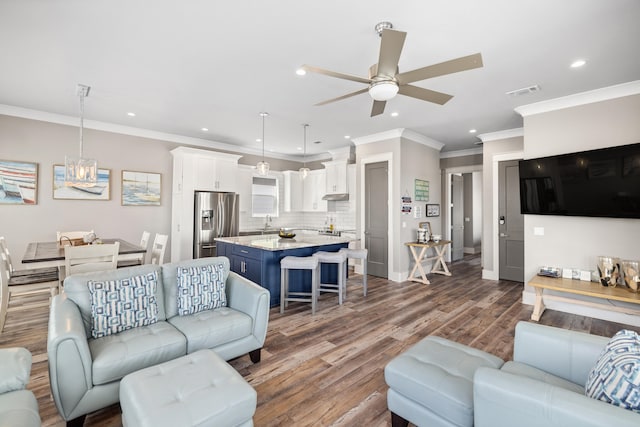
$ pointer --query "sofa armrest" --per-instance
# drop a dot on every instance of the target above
(15, 368)
(70, 361)
(561, 352)
(252, 299)
(502, 399)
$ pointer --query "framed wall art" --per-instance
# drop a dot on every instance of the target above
(433, 210)
(18, 183)
(100, 191)
(141, 188)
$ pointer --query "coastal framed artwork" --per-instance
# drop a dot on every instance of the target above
(141, 188)
(100, 191)
(18, 183)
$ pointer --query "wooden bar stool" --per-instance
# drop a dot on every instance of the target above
(340, 259)
(299, 263)
(360, 254)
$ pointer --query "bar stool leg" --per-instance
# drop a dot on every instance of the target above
(342, 283)
(283, 288)
(315, 274)
(364, 276)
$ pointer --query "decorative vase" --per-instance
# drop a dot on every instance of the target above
(631, 275)
(609, 270)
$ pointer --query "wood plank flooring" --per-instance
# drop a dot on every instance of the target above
(327, 369)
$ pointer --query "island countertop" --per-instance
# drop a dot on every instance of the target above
(272, 242)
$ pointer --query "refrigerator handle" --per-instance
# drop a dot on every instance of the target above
(220, 219)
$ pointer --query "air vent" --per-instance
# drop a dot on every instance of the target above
(524, 90)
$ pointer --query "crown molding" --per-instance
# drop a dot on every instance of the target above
(501, 134)
(582, 98)
(25, 113)
(461, 153)
(399, 133)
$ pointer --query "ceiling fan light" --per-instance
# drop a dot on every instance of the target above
(383, 90)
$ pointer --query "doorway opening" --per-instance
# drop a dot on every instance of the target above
(463, 218)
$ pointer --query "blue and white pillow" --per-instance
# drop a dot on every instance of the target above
(118, 305)
(201, 288)
(615, 378)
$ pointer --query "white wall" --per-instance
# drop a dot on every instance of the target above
(576, 241)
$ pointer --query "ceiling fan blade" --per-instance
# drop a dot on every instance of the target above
(425, 94)
(358, 79)
(378, 108)
(390, 49)
(349, 95)
(448, 67)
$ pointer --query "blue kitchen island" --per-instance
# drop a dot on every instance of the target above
(258, 259)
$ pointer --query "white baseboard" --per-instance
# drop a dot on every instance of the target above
(474, 250)
(489, 274)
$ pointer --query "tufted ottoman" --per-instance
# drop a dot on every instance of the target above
(432, 383)
(199, 389)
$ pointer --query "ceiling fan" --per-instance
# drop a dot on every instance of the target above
(385, 80)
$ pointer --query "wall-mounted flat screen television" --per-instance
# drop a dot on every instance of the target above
(596, 183)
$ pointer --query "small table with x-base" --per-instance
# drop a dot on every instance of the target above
(439, 266)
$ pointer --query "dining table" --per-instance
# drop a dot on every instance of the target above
(51, 254)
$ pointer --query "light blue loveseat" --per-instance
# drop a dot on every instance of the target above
(85, 372)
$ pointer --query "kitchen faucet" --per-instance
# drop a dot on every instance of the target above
(267, 222)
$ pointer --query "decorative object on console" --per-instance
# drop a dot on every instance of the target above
(609, 270)
(18, 183)
(80, 172)
(615, 378)
(550, 272)
(262, 166)
(433, 210)
(631, 275)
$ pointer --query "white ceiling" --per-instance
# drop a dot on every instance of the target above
(185, 65)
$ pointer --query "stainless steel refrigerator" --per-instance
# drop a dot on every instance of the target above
(216, 215)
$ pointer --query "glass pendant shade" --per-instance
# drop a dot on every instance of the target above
(262, 166)
(304, 172)
(78, 171)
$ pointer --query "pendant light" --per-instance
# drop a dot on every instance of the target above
(262, 166)
(80, 172)
(304, 170)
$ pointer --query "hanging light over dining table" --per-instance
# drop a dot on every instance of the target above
(79, 171)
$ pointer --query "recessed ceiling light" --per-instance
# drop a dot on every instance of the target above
(299, 148)
(472, 131)
(205, 130)
(579, 63)
(258, 139)
(131, 114)
(301, 71)
(394, 114)
(347, 136)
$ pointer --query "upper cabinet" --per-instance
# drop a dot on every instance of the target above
(293, 191)
(336, 177)
(216, 173)
(304, 194)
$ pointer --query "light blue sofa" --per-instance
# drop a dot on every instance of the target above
(85, 373)
(18, 407)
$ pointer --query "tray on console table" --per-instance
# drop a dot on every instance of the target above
(579, 287)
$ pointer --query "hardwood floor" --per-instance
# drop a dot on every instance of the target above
(327, 369)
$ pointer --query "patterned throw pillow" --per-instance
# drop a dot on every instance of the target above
(200, 288)
(615, 378)
(118, 305)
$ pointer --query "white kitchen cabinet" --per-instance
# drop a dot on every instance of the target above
(313, 190)
(195, 169)
(293, 191)
(351, 181)
(336, 177)
(244, 176)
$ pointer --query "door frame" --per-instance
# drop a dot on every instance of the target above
(495, 209)
(382, 157)
(447, 201)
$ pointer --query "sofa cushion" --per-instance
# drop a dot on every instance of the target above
(115, 356)
(119, 305)
(525, 370)
(615, 378)
(200, 288)
(76, 289)
(212, 328)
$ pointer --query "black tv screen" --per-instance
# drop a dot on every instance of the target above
(596, 183)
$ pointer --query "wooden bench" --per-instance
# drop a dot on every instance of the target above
(579, 287)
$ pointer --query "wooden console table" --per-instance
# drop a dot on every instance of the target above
(439, 266)
(579, 287)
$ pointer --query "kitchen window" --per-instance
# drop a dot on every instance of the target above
(264, 197)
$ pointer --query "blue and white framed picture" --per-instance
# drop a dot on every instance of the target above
(18, 183)
(141, 188)
(100, 191)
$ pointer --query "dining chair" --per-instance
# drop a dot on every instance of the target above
(82, 259)
(13, 272)
(22, 285)
(69, 236)
(144, 242)
(158, 248)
